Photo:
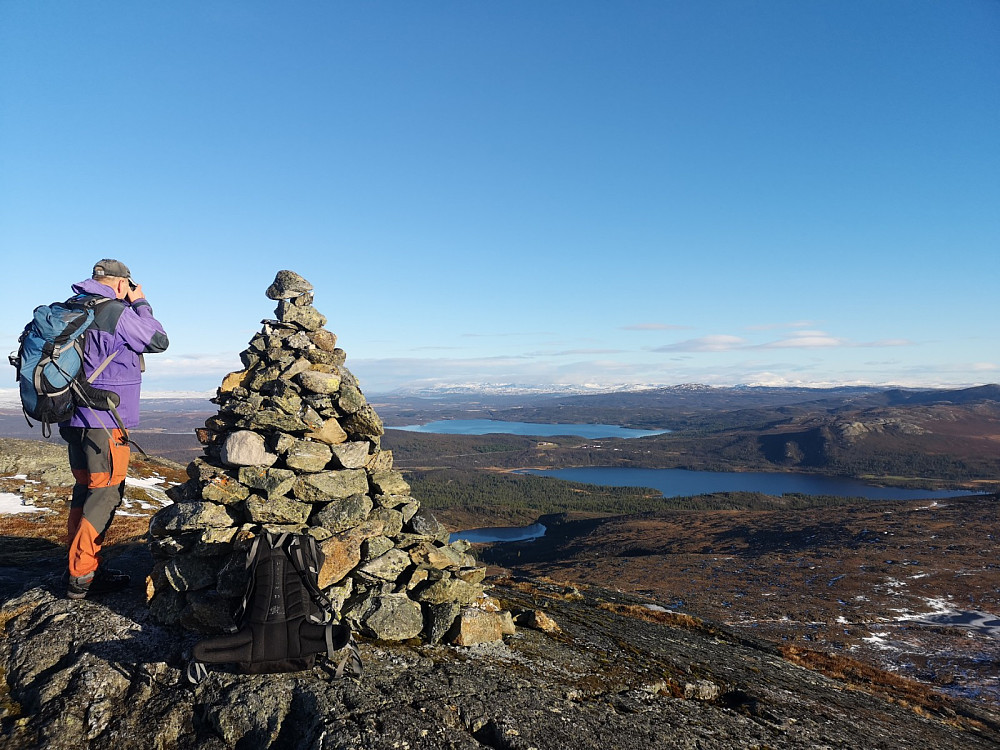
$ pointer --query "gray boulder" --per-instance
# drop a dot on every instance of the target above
(245, 448)
(287, 284)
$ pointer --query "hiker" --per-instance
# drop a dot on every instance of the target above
(123, 329)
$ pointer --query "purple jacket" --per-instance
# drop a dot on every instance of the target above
(130, 330)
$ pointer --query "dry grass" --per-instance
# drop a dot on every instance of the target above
(671, 619)
(29, 536)
(919, 698)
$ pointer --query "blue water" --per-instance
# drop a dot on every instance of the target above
(681, 482)
(491, 426)
(501, 534)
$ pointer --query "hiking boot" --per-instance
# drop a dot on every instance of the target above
(104, 572)
(101, 581)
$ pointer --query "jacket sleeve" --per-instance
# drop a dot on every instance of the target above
(140, 331)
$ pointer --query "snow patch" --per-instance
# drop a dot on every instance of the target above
(11, 504)
(148, 483)
(879, 641)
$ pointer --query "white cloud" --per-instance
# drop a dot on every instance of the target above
(888, 342)
(177, 395)
(806, 340)
(188, 364)
(811, 339)
(719, 343)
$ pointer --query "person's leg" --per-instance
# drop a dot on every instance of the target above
(100, 465)
(78, 465)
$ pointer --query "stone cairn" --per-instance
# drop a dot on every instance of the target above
(295, 447)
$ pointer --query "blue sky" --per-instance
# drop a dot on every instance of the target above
(534, 193)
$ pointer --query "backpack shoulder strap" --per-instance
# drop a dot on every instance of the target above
(250, 568)
(304, 554)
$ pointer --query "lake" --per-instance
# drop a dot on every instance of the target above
(501, 534)
(491, 426)
(682, 482)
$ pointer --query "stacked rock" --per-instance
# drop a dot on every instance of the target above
(295, 447)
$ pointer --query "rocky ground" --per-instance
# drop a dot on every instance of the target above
(617, 673)
(770, 666)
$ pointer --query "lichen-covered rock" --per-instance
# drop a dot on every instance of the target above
(306, 316)
(319, 382)
(341, 515)
(276, 510)
(351, 455)
(471, 575)
(392, 501)
(308, 456)
(538, 620)
(225, 490)
(201, 470)
(387, 566)
(193, 516)
(295, 367)
(390, 483)
(325, 486)
(351, 400)
(476, 626)
(235, 380)
(393, 617)
(436, 556)
(450, 590)
(392, 520)
(342, 552)
(438, 619)
(330, 433)
(274, 419)
(374, 547)
(380, 461)
(88, 673)
(214, 542)
(424, 522)
(365, 423)
(273, 482)
(324, 340)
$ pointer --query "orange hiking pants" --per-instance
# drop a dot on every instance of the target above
(99, 465)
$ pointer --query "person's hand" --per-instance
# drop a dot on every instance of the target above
(133, 294)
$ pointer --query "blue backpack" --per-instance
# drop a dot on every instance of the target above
(49, 363)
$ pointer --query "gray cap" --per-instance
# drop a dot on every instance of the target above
(111, 267)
